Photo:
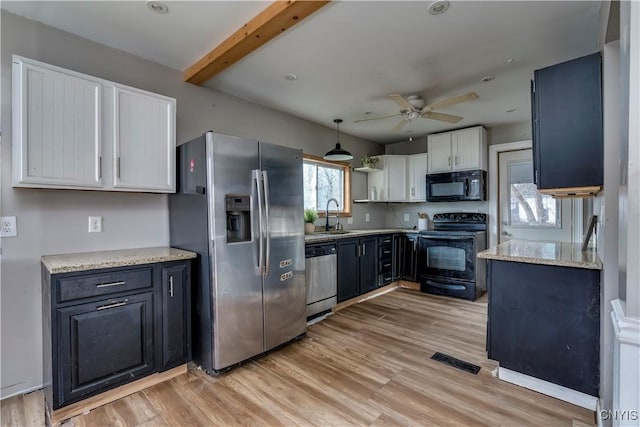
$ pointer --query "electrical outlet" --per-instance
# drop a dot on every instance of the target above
(95, 224)
(350, 220)
(406, 217)
(367, 218)
(9, 228)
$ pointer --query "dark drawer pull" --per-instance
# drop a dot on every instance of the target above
(106, 285)
(386, 241)
(386, 252)
(117, 304)
(386, 265)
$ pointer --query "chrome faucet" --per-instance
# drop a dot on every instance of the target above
(337, 217)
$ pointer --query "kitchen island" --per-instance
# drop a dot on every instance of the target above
(544, 317)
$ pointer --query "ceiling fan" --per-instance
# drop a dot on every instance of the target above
(412, 107)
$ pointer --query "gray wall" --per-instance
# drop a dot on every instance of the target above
(55, 221)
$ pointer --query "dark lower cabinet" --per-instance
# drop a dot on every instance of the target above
(544, 321)
(385, 259)
(357, 266)
(176, 312)
(108, 327)
(408, 259)
(89, 334)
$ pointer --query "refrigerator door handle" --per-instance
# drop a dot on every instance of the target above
(265, 183)
(257, 175)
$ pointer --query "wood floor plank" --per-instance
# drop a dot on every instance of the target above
(367, 364)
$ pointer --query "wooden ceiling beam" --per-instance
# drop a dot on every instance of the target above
(275, 19)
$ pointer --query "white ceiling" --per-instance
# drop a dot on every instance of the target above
(350, 55)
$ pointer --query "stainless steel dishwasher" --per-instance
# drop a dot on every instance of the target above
(321, 277)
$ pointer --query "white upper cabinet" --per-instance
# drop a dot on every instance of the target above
(57, 128)
(73, 131)
(390, 183)
(417, 177)
(144, 140)
(462, 149)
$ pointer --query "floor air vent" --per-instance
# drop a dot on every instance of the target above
(456, 363)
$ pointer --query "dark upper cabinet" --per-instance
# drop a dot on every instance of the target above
(566, 103)
(176, 315)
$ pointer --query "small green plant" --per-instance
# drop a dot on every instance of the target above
(370, 162)
(310, 215)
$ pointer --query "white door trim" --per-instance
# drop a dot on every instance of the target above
(494, 152)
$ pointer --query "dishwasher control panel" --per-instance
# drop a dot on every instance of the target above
(312, 251)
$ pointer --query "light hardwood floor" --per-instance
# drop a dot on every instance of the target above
(368, 364)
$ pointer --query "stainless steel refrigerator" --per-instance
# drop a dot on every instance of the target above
(239, 205)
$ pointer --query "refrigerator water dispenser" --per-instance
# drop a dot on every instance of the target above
(238, 207)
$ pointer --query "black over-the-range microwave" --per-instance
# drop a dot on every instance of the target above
(459, 186)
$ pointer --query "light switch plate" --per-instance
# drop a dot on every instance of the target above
(367, 218)
(406, 217)
(9, 228)
(350, 220)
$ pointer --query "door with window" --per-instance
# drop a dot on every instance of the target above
(524, 212)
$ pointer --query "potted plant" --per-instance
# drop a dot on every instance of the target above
(370, 162)
(310, 217)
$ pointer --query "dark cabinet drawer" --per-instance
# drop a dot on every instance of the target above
(91, 285)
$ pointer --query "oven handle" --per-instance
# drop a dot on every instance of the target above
(447, 237)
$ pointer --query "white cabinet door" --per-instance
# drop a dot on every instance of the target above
(439, 149)
(57, 122)
(144, 138)
(395, 170)
(417, 177)
(466, 146)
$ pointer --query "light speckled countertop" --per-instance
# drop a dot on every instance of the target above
(106, 259)
(320, 237)
(562, 254)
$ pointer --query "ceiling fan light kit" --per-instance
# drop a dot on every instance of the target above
(338, 153)
(413, 107)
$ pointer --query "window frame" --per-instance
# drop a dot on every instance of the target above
(346, 184)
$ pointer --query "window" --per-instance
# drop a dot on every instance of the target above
(528, 207)
(324, 180)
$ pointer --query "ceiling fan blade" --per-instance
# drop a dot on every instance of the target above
(376, 118)
(400, 125)
(441, 116)
(402, 102)
(452, 101)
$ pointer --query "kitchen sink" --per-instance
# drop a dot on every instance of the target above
(334, 232)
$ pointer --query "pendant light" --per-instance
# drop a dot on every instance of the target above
(338, 153)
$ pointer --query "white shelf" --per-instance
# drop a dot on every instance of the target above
(367, 170)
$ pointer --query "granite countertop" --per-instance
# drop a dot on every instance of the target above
(319, 237)
(83, 261)
(562, 254)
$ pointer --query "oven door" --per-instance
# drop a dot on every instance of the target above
(451, 257)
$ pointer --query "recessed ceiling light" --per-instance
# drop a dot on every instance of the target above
(510, 61)
(291, 77)
(438, 7)
(511, 110)
(486, 79)
(157, 7)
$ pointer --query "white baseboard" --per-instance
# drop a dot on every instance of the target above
(554, 390)
(21, 391)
